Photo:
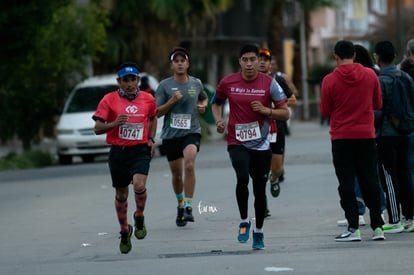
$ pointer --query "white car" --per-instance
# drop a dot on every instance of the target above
(75, 129)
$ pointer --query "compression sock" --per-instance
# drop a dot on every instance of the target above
(257, 230)
(121, 212)
(140, 201)
(188, 202)
(180, 198)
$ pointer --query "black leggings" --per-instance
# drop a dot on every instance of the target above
(256, 164)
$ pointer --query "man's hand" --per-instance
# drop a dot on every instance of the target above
(176, 96)
(201, 108)
(220, 126)
(257, 106)
(121, 119)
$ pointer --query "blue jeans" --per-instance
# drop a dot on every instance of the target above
(360, 200)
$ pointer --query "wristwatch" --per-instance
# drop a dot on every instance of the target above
(152, 139)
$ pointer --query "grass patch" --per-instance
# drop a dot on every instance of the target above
(26, 160)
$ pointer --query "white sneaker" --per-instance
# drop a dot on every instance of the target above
(408, 225)
(349, 236)
(361, 221)
(344, 222)
(391, 228)
(378, 234)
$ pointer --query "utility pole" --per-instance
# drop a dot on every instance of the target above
(304, 64)
(398, 30)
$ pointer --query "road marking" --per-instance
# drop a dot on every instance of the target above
(277, 269)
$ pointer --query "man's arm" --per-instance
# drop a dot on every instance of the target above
(202, 105)
(163, 109)
(217, 110)
(280, 112)
(101, 127)
(289, 82)
(152, 127)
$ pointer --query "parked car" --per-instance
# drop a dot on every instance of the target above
(75, 129)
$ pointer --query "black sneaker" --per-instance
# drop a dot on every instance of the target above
(179, 221)
(125, 244)
(188, 214)
(274, 188)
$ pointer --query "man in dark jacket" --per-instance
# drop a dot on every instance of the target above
(393, 146)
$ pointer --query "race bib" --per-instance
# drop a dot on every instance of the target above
(248, 131)
(180, 121)
(273, 137)
(131, 131)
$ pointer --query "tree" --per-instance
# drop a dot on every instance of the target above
(146, 31)
(49, 43)
(276, 32)
(308, 6)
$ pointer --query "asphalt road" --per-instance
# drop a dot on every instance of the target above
(61, 220)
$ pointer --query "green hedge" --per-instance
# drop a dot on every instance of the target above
(26, 160)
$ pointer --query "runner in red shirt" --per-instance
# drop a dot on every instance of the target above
(250, 95)
(127, 116)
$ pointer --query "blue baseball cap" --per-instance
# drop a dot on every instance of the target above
(129, 70)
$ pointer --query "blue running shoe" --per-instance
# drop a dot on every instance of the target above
(244, 232)
(258, 243)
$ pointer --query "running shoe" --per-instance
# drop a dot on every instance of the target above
(179, 221)
(392, 228)
(274, 187)
(350, 235)
(408, 225)
(140, 229)
(244, 231)
(378, 234)
(188, 214)
(258, 243)
(125, 244)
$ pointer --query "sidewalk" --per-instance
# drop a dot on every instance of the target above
(16, 146)
(299, 129)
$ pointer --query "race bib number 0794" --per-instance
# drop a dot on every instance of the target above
(248, 131)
